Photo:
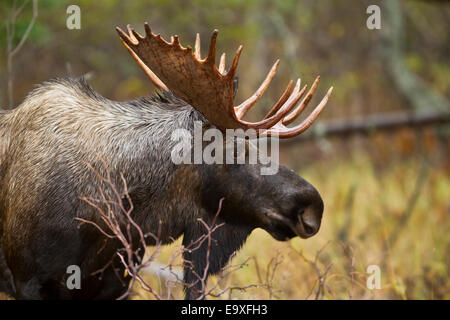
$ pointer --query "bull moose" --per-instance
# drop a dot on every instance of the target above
(63, 128)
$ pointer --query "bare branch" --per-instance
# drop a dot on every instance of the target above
(28, 30)
(10, 51)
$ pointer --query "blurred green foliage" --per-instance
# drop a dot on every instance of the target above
(40, 34)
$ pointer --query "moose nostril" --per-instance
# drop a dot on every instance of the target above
(309, 228)
(310, 220)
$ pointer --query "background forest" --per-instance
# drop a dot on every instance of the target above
(379, 153)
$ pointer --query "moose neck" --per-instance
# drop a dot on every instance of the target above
(159, 188)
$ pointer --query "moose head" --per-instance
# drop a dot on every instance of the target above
(284, 204)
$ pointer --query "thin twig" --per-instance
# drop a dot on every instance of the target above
(12, 51)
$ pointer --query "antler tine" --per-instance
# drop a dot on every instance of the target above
(123, 36)
(242, 109)
(148, 30)
(283, 132)
(131, 35)
(287, 94)
(286, 107)
(232, 71)
(222, 63)
(134, 35)
(294, 114)
(197, 47)
(281, 101)
(211, 58)
(295, 97)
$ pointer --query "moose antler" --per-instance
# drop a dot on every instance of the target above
(209, 88)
